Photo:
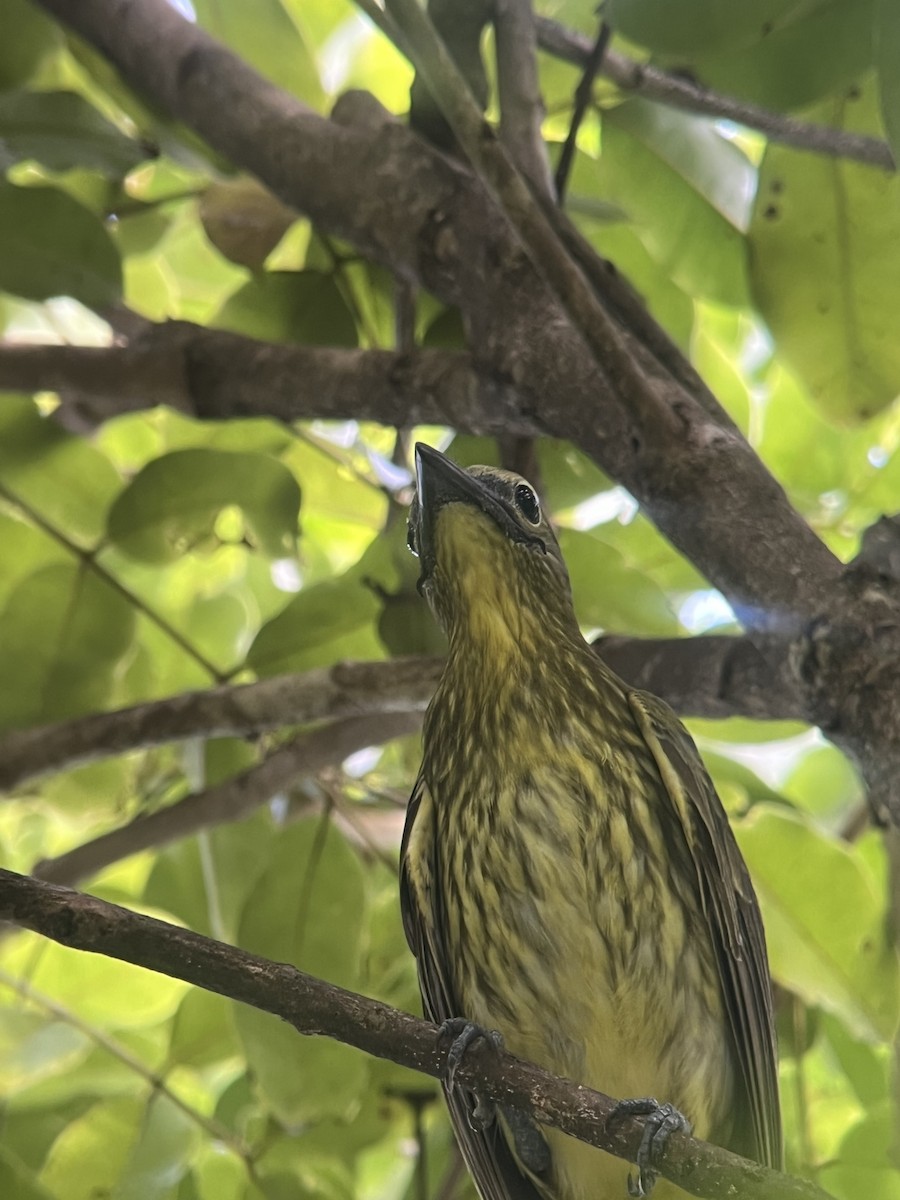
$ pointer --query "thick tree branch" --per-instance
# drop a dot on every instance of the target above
(366, 689)
(231, 800)
(700, 677)
(215, 375)
(362, 176)
(316, 1008)
(680, 92)
(713, 677)
(664, 413)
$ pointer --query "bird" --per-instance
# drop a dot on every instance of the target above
(569, 881)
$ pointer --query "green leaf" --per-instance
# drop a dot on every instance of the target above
(62, 477)
(693, 147)
(33, 1048)
(290, 306)
(162, 1154)
(36, 37)
(701, 251)
(820, 48)
(691, 27)
(65, 631)
(824, 921)
(51, 246)
(89, 1156)
(102, 991)
(172, 504)
(15, 1178)
(306, 632)
(264, 35)
(63, 132)
(865, 1165)
(611, 594)
(887, 58)
(308, 909)
(825, 267)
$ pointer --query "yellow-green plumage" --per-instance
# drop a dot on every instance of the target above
(569, 877)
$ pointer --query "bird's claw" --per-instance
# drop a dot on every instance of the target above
(661, 1121)
(461, 1034)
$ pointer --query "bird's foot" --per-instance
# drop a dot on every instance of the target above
(461, 1034)
(661, 1121)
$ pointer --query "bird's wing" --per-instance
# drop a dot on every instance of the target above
(734, 921)
(486, 1152)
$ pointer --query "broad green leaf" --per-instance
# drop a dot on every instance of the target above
(102, 991)
(609, 593)
(822, 46)
(207, 890)
(323, 613)
(172, 504)
(887, 62)
(63, 132)
(18, 1180)
(824, 921)
(865, 1165)
(866, 1066)
(219, 1174)
(162, 1153)
(62, 477)
(264, 35)
(701, 251)
(36, 37)
(691, 27)
(307, 909)
(51, 246)
(623, 245)
(65, 630)
(202, 1030)
(290, 306)
(825, 268)
(24, 551)
(695, 149)
(33, 1048)
(89, 1156)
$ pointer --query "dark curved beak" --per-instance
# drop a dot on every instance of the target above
(440, 481)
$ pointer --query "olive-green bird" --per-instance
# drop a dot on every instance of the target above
(568, 874)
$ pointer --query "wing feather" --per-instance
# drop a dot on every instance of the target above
(486, 1152)
(735, 925)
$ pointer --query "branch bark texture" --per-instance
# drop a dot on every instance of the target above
(319, 1009)
(362, 176)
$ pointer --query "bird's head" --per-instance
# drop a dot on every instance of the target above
(492, 569)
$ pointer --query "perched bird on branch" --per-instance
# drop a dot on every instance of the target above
(568, 874)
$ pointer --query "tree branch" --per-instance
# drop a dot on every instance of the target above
(365, 178)
(679, 92)
(319, 1009)
(367, 689)
(713, 677)
(231, 800)
(216, 375)
(700, 677)
(519, 89)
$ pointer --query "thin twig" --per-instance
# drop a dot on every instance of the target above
(678, 92)
(583, 94)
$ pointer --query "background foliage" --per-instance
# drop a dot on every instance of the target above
(155, 553)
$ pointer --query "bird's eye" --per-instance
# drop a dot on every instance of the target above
(527, 503)
(411, 538)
